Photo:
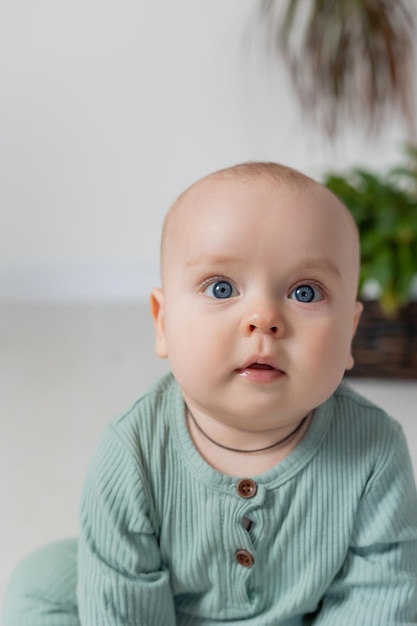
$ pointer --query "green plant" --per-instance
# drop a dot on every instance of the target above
(385, 210)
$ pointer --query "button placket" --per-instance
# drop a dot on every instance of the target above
(252, 496)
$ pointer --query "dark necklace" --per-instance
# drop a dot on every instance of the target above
(274, 445)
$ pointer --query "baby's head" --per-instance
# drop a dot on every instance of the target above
(258, 305)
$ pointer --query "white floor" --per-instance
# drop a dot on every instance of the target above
(64, 372)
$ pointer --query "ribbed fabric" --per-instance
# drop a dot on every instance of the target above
(333, 534)
(334, 529)
(41, 591)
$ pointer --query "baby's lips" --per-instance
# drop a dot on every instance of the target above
(257, 362)
(259, 365)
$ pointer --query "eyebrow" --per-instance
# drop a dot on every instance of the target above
(314, 264)
(322, 265)
(213, 260)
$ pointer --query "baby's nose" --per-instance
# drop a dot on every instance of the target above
(264, 320)
(266, 328)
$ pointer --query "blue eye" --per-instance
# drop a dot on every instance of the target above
(221, 290)
(306, 293)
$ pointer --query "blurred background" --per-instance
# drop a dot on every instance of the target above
(108, 110)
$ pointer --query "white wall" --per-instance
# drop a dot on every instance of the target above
(109, 108)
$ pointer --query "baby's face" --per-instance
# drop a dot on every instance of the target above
(258, 306)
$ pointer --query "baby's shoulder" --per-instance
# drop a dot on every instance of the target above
(146, 428)
(153, 410)
(360, 418)
(349, 400)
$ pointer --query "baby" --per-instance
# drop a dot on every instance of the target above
(249, 486)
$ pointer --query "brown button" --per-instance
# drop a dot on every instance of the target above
(244, 558)
(246, 488)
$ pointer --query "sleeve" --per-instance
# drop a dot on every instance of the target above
(121, 579)
(377, 585)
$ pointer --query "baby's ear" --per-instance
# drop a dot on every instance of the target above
(157, 310)
(357, 315)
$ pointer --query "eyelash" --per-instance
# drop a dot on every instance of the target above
(309, 285)
(213, 280)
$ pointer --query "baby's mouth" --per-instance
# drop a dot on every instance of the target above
(260, 372)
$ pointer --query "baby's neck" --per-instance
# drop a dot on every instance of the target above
(249, 464)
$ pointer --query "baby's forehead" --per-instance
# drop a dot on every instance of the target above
(300, 191)
(191, 205)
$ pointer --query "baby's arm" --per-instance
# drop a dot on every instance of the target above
(377, 585)
(122, 581)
